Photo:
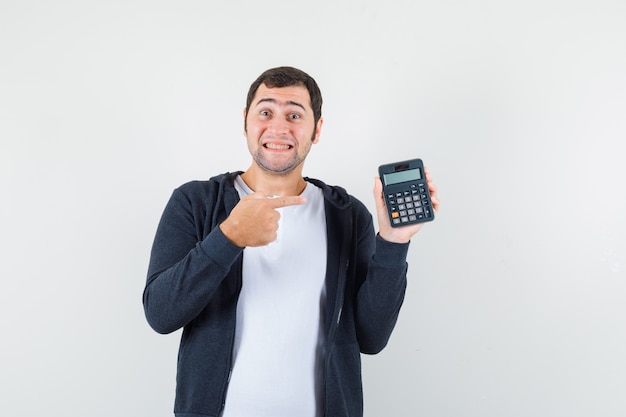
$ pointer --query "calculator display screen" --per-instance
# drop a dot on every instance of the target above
(403, 176)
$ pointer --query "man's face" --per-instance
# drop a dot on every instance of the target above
(280, 128)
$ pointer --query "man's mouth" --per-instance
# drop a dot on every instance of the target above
(277, 146)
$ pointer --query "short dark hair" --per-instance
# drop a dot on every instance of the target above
(286, 77)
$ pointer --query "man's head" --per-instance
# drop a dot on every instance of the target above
(282, 119)
(287, 77)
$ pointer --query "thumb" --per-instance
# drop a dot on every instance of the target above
(379, 198)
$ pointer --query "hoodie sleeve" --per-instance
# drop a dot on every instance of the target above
(185, 267)
(381, 271)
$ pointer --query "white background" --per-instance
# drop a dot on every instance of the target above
(516, 299)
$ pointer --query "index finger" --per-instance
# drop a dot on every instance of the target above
(280, 201)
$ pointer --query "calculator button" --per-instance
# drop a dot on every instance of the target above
(412, 218)
(405, 219)
(410, 211)
(402, 213)
(395, 214)
(401, 207)
(396, 221)
(409, 205)
(400, 200)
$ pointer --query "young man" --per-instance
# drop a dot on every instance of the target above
(278, 281)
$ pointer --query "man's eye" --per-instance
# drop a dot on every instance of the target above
(265, 113)
(294, 116)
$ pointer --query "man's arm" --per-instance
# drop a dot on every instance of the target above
(381, 294)
(185, 270)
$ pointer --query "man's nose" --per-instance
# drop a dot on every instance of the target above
(279, 126)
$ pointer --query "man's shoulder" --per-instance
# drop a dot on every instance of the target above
(200, 191)
(213, 183)
(337, 195)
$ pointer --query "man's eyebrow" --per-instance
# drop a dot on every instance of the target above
(273, 101)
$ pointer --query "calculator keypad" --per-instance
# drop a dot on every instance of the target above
(409, 205)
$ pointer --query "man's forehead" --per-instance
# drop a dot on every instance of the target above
(294, 94)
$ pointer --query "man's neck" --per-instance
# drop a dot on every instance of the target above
(272, 184)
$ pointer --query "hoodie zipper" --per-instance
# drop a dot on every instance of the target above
(341, 283)
(232, 344)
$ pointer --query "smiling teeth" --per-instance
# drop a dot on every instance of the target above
(277, 146)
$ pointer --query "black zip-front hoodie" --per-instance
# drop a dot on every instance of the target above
(194, 279)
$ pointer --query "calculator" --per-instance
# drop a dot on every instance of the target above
(406, 193)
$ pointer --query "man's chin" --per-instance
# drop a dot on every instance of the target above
(276, 168)
(279, 171)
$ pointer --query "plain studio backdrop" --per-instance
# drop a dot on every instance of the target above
(516, 298)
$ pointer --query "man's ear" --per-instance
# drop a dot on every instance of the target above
(318, 130)
(245, 123)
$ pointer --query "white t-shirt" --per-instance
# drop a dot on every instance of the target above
(278, 352)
